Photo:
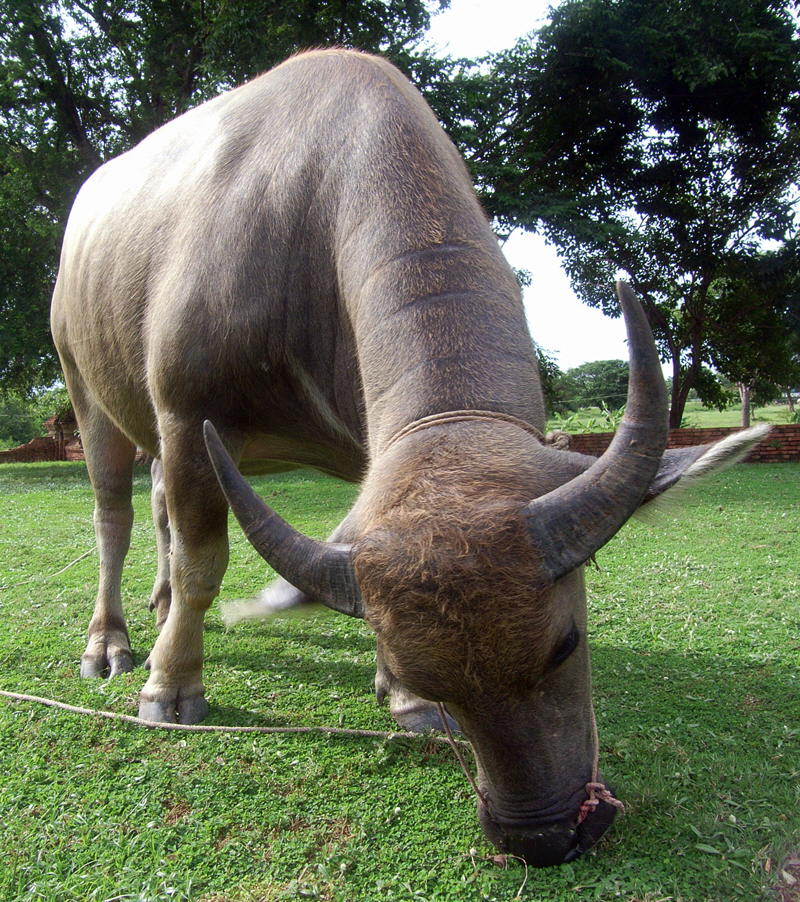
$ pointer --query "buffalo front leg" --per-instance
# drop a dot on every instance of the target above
(197, 513)
(161, 596)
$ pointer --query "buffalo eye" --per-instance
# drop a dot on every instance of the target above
(567, 645)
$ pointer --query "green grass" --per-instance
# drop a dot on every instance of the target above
(695, 632)
(699, 417)
(592, 419)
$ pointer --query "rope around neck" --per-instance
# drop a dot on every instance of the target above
(461, 416)
(596, 792)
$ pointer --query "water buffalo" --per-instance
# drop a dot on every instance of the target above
(303, 261)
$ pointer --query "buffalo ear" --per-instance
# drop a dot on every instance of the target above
(681, 468)
(280, 596)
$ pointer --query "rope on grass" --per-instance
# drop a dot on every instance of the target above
(217, 728)
(44, 579)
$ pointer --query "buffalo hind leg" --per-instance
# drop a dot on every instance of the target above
(198, 516)
(161, 595)
(109, 460)
(410, 711)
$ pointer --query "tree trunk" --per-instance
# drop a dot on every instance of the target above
(744, 394)
(790, 400)
(675, 408)
(680, 394)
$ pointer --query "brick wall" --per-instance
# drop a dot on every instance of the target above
(48, 448)
(782, 443)
(37, 449)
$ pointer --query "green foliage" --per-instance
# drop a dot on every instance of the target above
(81, 82)
(30, 237)
(18, 421)
(696, 416)
(712, 390)
(598, 418)
(754, 332)
(21, 418)
(550, 376)
(54, 401)
(599, 383)
(655, 138)
(693, 628)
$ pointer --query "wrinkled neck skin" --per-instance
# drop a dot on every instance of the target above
(452, 588)
(435, 310)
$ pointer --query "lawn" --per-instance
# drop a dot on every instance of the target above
(695, 634)
(593, 419)
(699, 417)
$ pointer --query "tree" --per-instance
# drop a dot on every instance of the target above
(656, 138)
(83, 80)
(599, 383)
(792, 385)
(752, 333)
(18, 422)
(551, 379)
(22, 418)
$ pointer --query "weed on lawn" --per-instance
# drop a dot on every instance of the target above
(695, 633)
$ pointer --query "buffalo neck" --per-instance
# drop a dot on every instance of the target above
(442, 328)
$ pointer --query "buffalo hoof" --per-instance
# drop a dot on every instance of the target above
(186, 710)
(106, 655)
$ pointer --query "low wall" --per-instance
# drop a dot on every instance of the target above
(38, 449)
(782, 443)
(47, 448)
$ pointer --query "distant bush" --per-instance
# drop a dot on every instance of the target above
(600, 419)
(21, 418)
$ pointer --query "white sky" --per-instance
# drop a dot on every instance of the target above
(559, 322)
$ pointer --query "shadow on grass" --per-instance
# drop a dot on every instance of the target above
(311, 628)
(289, 669)
(720, 690)
(693, 712)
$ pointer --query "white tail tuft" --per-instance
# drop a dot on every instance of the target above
(275, 599)
(725, 453)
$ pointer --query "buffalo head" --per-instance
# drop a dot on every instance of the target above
(468, 567)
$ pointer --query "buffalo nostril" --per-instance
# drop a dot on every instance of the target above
(538, 846)
(549, 844)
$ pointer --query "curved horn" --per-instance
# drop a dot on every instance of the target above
(568, 525)
(323, 570)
